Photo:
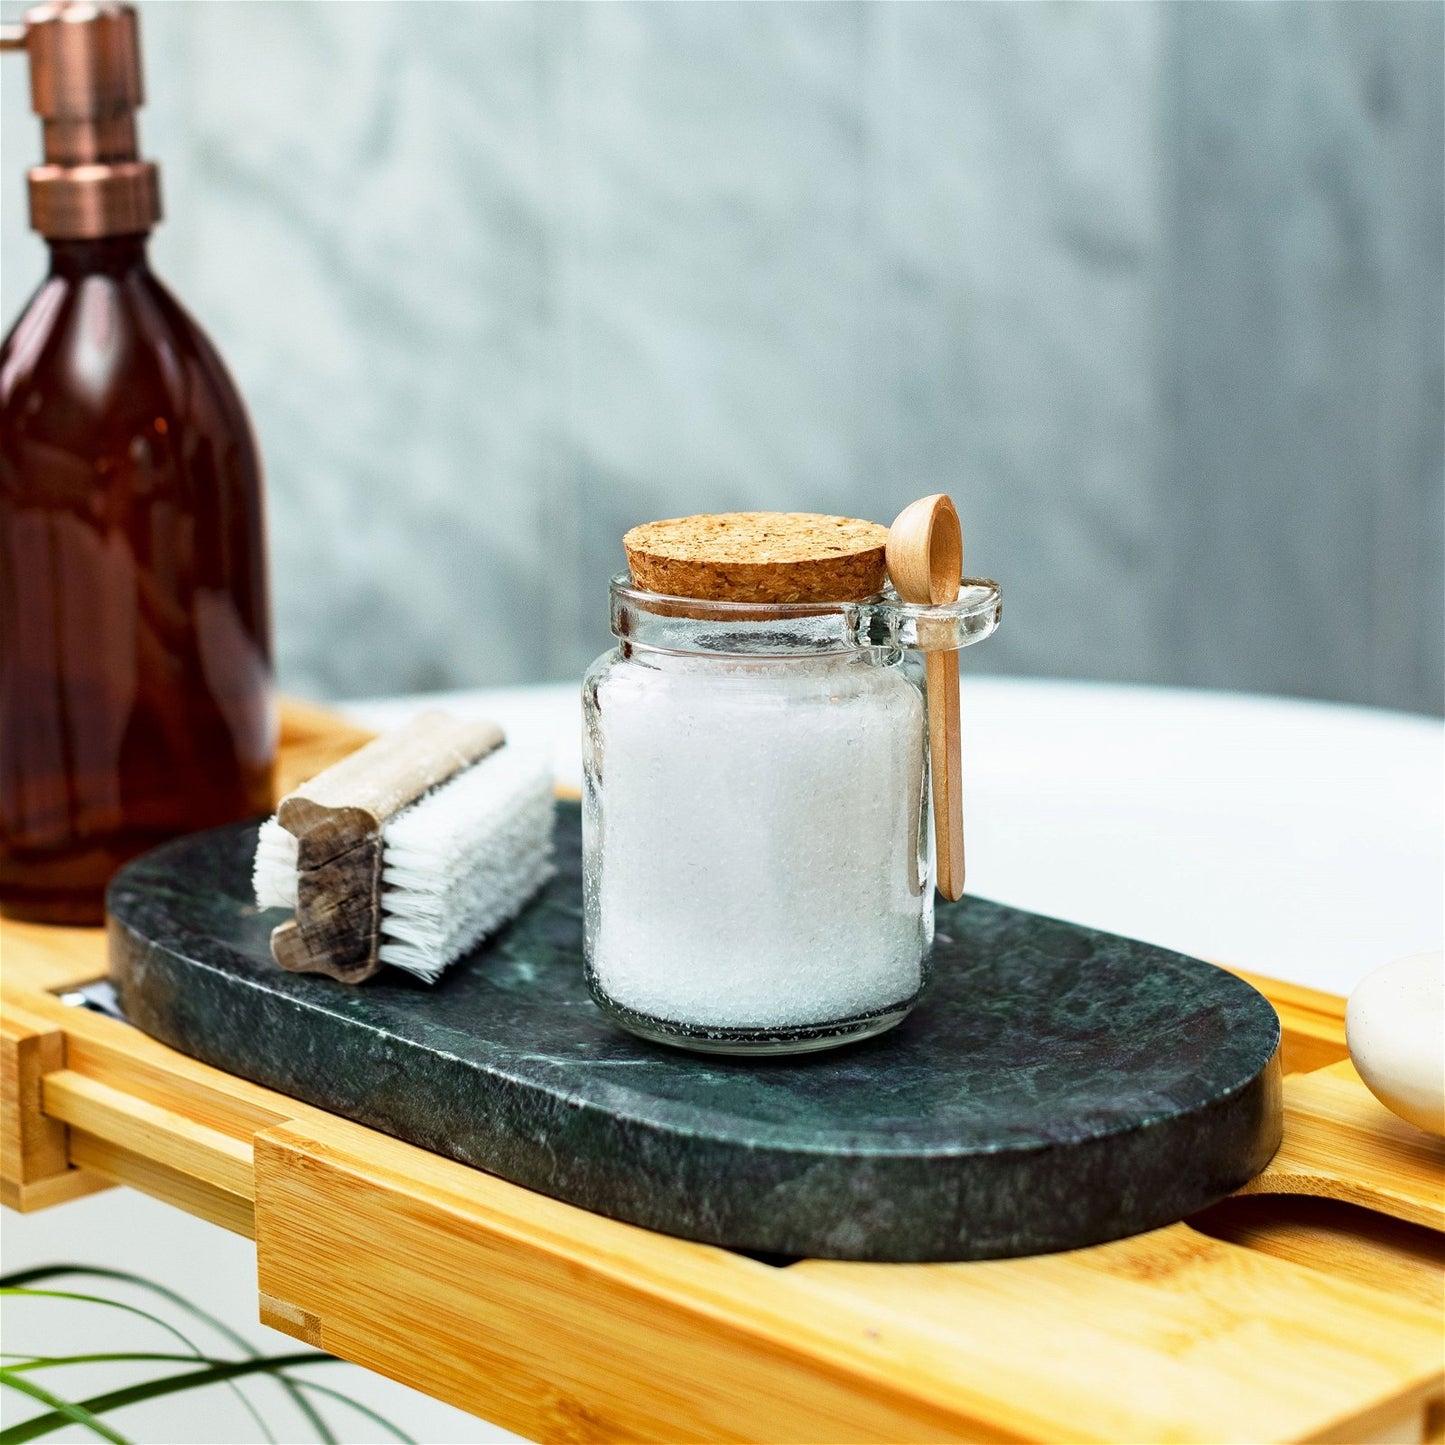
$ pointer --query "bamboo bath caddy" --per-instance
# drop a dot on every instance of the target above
(1282, 1314)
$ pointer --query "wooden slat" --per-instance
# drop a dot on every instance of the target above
(172, 1140)
(141, 1067)
(102, 1048)
(33, 1145)
(1341, 1143)
(1337, 1239)
(561, 1324)
(40, 958)
(57, 1189)
(104, 1158)
(1171, 1336)
(1191, 1339)
(35, 1170)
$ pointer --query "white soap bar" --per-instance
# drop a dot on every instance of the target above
(1395, 1025)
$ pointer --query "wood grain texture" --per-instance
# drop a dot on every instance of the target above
(946, 770)
(364, 788)
(35, 1169)
(170, 1139)
(565, 1325)
(56, 1189)
(1169, 1336)
(1343, 1240)
(1341, 1143)
(33, 1145)
(553, 1322)
(925, 565)
(1214, 1341)
(41, 958)
(110, 1161)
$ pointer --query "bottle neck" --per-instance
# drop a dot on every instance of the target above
(102, 255)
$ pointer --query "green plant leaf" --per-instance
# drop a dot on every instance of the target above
(46, 1362)
(356, 1405)
(152, 1390)
(49, 1362)
(62, 1411)
(16, 1281)
(95, 1299)
(51, 1271)
(170, 1329)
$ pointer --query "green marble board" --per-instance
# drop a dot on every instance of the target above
(1056, 1087)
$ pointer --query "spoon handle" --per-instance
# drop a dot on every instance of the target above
(946, 764)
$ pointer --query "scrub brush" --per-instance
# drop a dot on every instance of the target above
(407, 852)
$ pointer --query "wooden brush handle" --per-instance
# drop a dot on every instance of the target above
(946, 764)
(337, 819)
(336, 808)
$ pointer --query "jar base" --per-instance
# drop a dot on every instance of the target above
(754, 1042)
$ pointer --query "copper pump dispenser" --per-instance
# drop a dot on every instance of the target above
(85, 85)
(135, 655)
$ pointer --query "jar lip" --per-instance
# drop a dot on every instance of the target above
(658, 621)
(706, 609)
(975, 594)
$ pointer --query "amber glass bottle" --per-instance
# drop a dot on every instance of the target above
(135, 672)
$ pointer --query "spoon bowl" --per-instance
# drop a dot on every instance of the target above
(925, 551)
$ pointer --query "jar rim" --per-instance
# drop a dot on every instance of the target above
(705, 609)
(661, 622)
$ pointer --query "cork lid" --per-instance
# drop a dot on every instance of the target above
(759, 557)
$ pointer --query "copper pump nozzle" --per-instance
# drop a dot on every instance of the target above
(85, 85)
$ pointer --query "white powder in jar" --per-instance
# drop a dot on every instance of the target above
(755, 850)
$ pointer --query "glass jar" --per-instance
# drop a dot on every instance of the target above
(756, 826)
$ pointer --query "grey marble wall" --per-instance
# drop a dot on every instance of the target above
(1155, 290)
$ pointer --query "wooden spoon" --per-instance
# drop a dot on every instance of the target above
(925, 564)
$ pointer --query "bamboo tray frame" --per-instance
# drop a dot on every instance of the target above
(1287, 1320)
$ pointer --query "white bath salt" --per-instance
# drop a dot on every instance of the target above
(761, 851)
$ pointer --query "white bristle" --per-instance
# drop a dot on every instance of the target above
(274, 876)
(464, 860)
(456, 865)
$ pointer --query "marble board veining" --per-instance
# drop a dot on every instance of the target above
(1056, 1087)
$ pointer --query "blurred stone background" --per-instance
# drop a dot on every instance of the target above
(1154, 290)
